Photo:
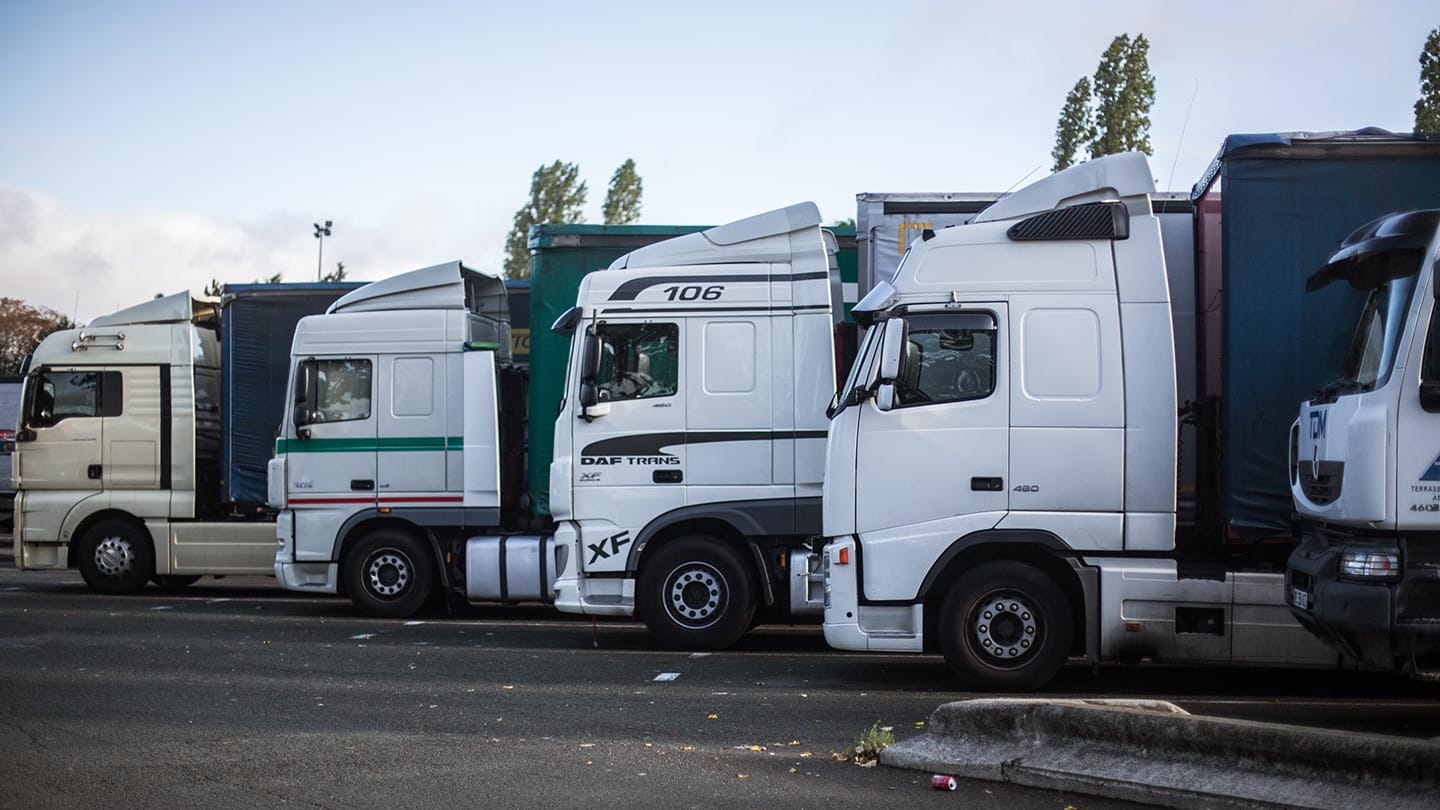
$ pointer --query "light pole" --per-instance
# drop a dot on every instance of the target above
(321, 231)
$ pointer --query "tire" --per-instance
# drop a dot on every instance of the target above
(115, 556)
(1005, 625)
(695, 594)
(389, 574)
(172, 583)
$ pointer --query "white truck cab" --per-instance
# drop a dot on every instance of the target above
(1365, 459)
(689, 451)
(1001, 471)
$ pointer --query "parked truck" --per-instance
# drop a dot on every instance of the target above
(1365, 457)
(144, 437)
(688, 446)
(1002, 477)
(9, 417)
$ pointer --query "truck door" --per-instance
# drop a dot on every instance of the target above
(630, 453)
(1416, 430)
(131, 431)
(935, 466)
(331, 452)
(410, 462)
(729, 407)
(62, 426)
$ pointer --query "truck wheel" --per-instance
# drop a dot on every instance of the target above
(171, 583)
(388, 574)
(695, 594)
(115, 556)
(1005, 625)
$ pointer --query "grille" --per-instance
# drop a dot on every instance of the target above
(1321, 481)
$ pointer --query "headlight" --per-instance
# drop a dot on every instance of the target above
(1383, 565)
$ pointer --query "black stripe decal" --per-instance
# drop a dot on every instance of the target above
(166, 461)
(632, 288)
(650, 444)
(756, 308)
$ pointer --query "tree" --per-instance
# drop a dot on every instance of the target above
(622, 200)
(1124, 92)
(1427, 109)
(848, 222)
(337, 275)
(21, 328)
(1076, 126)
(1110, 113)
(213, 289)
(556, 195)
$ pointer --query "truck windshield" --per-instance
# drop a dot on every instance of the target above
(1373, 348)
(859, 372)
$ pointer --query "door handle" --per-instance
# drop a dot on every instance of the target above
(667, 476)
(987, 484)
(362, 485)
(93, 472)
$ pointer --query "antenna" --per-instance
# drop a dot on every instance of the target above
(1021, 180)
(1170, 184)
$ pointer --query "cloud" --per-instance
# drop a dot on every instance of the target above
(87, 263)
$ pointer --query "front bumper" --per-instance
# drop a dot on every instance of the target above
(850, 625)
(313, 577)
(1393, 625)
(588, 594)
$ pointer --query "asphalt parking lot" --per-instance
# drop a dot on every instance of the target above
(235, 693)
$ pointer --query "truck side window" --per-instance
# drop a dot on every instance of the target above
(61, 395)
(342, 390)
(639, 361)
(948, 358)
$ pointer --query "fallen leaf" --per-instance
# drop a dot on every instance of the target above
(587, 745)
(919, 723)
(712, 716)
(870, 763)
(687, 748)
(747, 776)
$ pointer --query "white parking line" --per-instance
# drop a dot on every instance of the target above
(666, 676)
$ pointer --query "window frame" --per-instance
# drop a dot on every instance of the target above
(984, 320)
(604, 332)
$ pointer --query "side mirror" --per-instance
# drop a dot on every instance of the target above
(892, 348)
(885, 396)
(302, 382)
(1430, 396)
(590, 357)
(589, 395)
(565, 324)
(25, 435)
(304, 387)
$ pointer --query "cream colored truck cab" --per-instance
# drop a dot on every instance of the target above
(119, 431)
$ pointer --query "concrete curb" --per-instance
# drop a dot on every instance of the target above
(1156, 752)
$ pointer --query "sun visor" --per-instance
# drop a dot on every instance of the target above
(1383, 249)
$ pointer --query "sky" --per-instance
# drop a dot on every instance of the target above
(147, 147)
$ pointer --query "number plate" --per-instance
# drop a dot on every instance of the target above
(1300, 599)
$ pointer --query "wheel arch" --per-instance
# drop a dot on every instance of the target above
(736, 523)
(88, 522)
(1041, 549)
(362, 525)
